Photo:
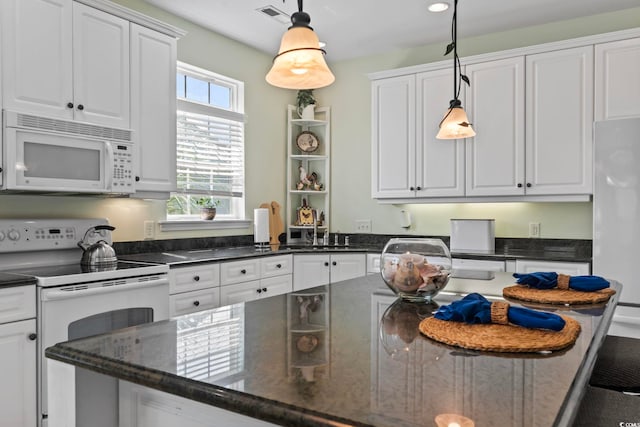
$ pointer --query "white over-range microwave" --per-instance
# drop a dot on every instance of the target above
(53, 155)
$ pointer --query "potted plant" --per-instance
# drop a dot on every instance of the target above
(207, 207)
(306, 104)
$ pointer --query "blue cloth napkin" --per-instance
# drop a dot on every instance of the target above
(549, 280)
(474, 308)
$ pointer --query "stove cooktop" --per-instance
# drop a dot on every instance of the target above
(64, 274)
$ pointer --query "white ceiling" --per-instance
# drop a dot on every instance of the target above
(353, 28)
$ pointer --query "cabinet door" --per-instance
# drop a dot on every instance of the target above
(440, 162)
(310, 271)
(100, 67)
(617, 66)
(37, 72)
(240, 292)
(570, 268)
(145, 407)
(393, 137)
(559, 108)
(191, 302)
(18, 373)
(272, 286)
(347, 266)
(153, 108)
(495, 106)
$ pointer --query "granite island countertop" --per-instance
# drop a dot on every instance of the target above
(360, 372)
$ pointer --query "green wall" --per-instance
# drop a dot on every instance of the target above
(349, 98)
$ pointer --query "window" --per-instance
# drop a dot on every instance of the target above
(210, 145)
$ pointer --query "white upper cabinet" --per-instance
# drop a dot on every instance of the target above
(393, 136)
(495, 107)
(617, 67)
(100, 67)
(153, 109)
(66, 60)
(559, 108)
(439, 162)
(37, 72)
(407, 159)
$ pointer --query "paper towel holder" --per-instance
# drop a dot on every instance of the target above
(261, 235)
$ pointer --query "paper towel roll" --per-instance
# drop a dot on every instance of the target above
(261, 225)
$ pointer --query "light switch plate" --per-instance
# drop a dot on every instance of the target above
(534, 229)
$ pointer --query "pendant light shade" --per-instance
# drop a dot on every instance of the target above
(300, 61)
(455, 124)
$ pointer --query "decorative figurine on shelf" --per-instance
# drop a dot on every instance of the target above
(304, 178)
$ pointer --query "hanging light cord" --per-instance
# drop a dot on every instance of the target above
(458, 77)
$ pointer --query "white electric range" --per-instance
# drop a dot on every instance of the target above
(74, 301)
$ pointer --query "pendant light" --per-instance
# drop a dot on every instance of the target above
(455, 124)
(300, 61)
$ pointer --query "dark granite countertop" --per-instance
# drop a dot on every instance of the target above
(550, 250)
(9, 280)
(358, 373)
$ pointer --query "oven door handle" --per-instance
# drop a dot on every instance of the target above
(80, 290)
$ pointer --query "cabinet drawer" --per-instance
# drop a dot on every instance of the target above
(190, 302)
(272, 286)
(570, 268)
(477, 264)
(240, 292)
(17, 303)
(185, 279)
(276, 266)
(239, 271)
(373, 263)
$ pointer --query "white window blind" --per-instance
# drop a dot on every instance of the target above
(210, 150)
(211, 343)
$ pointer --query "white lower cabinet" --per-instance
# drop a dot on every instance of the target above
(249, 279)
(255, 289)
(194, 288)
(312, 270)
(144, 407)
(570, 268)
(477, 264)
(18, 357)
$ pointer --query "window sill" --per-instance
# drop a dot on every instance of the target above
(195, 224)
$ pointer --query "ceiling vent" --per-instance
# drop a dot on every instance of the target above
(277, 14)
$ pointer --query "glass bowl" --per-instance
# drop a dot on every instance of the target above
(416, 269)
(399, 325)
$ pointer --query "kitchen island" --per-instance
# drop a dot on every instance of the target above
(326, 357)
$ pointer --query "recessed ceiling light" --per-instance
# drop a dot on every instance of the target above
(438, 7)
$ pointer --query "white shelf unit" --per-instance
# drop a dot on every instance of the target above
(317, 161)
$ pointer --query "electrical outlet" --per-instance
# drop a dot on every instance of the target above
(363, 226)
(534, 229)
(149, 229)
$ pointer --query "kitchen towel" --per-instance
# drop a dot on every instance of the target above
(474, 309)
(261, 225)
(549, 280)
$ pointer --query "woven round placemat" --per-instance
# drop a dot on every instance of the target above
(500, 338)
(556, 296)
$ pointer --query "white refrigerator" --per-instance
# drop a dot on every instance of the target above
(616, 216)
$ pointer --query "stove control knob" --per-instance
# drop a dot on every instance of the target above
(13, 234)
(2, 235)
